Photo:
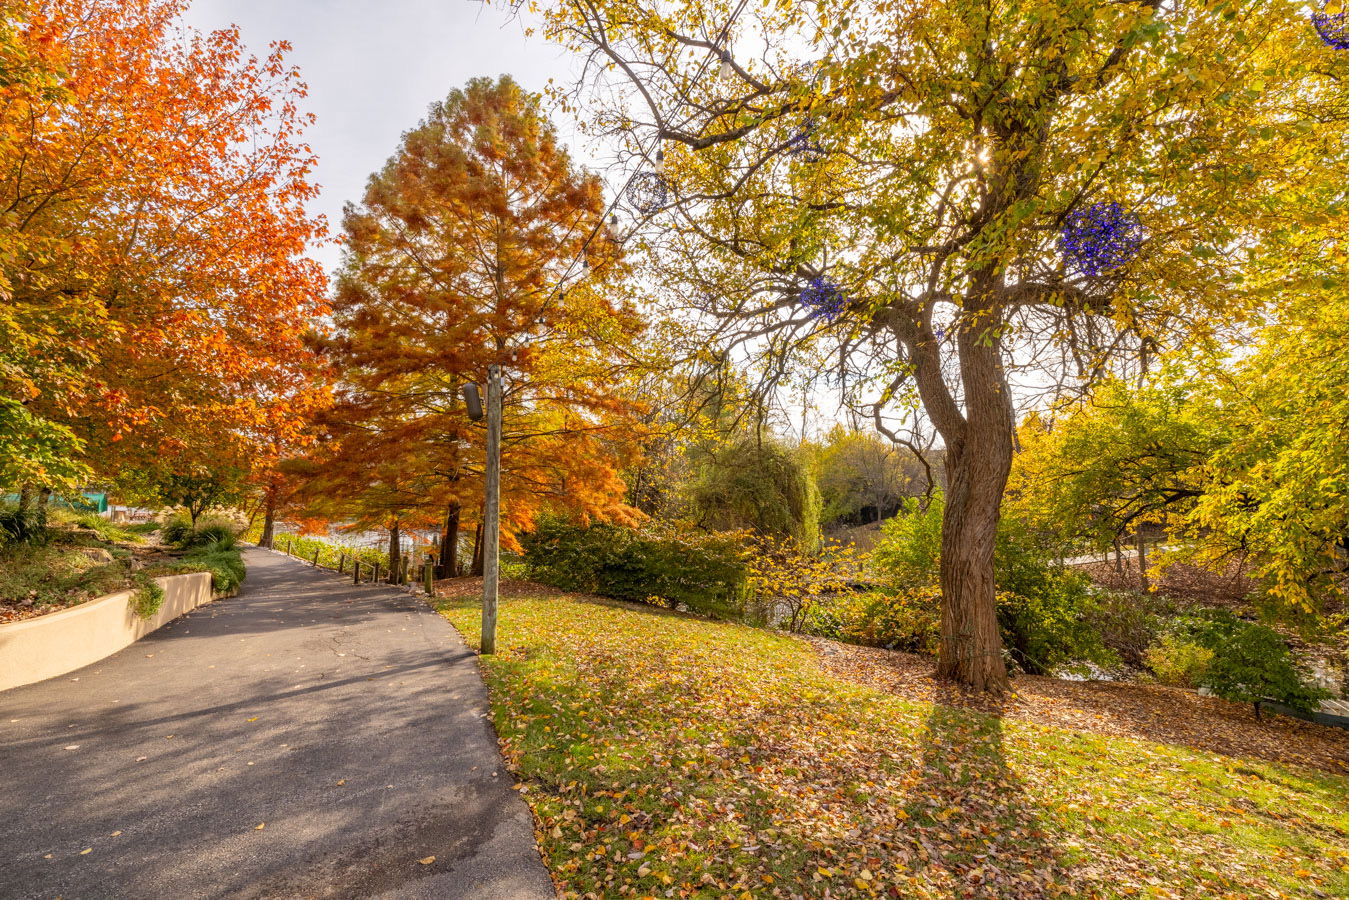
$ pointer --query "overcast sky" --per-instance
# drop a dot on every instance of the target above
(373, 67)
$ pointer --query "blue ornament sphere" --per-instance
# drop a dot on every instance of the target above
(825, 298)
(1101, 238)
(1333, 27)
(804, 144)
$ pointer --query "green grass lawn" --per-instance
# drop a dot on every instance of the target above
(669, 756)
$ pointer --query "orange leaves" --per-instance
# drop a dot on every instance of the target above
(465, 253)
(161, 197)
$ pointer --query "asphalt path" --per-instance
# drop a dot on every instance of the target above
(307, 738)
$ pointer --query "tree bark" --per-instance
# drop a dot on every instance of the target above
(1142, 560)
(477, 551)
(448, 567)
(979, 435)
(971, 643)
(25, 497)
(268, 537)
(395, 552)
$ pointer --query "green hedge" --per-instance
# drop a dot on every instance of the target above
(703, 573)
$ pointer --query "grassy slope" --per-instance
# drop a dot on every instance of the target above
(668, 756)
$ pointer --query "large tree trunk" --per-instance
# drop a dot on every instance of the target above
(448, 566)
(477, 551)
(978, 432)
(971, 644)
(395, 552)
(269, 520)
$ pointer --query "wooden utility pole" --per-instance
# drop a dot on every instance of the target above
(491, 514)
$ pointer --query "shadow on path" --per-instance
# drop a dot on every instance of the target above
(349, 722)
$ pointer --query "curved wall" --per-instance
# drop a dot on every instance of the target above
(51, 645)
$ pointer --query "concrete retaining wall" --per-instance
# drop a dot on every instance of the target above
(62, 642)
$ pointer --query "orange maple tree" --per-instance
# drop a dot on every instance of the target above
(157, 286)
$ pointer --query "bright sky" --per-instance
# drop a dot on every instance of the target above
(373, 67)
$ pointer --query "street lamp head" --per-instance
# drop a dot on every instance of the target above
(473, 402)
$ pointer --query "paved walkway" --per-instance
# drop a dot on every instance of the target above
(307, 738)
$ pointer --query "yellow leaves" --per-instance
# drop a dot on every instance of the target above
(259, 826)
(427, 860)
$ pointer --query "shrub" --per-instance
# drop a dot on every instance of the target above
(1130, 623)
(1047, 623)
(219, 537)
(148, 598)
(330, 553)
(704, 573)
(1178, 661)
(178, 532)
(786, 580)
(175, 532)
(21, 526)
(1250, 661)
(908, 620)
(225, 565)
(909, 553)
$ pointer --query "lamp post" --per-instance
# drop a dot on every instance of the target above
(491, 508)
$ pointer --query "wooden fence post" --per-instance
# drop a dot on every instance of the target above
(375, 579)
(429, 578)
(316, 556)
(341, 562)
(356, 572)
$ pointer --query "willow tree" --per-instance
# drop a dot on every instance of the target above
(957, 193)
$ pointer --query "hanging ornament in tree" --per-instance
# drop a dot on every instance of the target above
(726, 70)
(1332, 23)
(825, 298)
(805, 144)
(649, 192)
(1101, 238)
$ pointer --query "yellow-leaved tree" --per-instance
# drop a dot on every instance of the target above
(957, 196)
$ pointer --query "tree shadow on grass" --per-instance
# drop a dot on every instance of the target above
(970, 814)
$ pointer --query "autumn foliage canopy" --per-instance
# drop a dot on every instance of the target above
(154, 287)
